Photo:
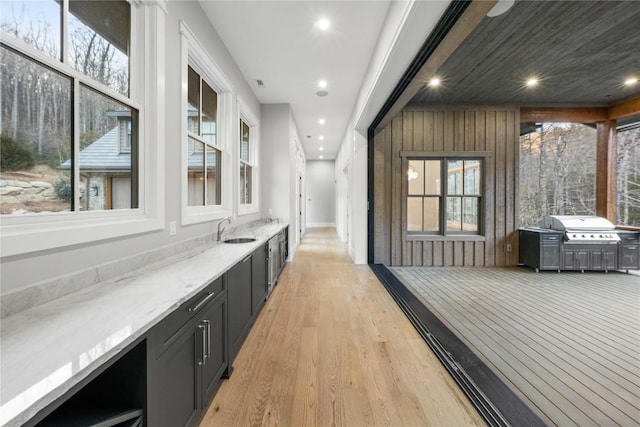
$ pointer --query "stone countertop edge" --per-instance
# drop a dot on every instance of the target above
(47, 350)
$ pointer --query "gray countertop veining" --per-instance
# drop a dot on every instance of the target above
(48, 349)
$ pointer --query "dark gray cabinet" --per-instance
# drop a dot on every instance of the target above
(188, 359)
(238, 280)
(540, 249)
(575, 259)
(629, 250)
(258, 279)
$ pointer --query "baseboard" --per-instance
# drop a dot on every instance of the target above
(321, 224)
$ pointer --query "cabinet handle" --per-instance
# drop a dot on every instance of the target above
(204, 337)
(246, 259)
(208, 325)
(202, 301)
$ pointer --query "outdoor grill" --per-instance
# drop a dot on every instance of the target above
(582, 229)
(573, 242)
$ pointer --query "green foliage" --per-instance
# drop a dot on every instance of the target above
(14, 157)
(62, 187)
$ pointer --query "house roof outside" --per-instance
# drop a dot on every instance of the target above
(104, 155)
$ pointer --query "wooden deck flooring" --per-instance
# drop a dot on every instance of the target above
(331, 348)
(568, 344)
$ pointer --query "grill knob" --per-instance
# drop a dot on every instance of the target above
(583, 236)
(592, 236)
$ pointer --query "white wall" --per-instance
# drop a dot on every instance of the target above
(321, 197)
(22, 271)
(405, 29)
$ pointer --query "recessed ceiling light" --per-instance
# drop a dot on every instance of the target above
(434, 82)
(323, 24)
(500, 7)
(532, 82)
(321, 138)
(321, 121)
(321, 148)
(631, 81)
(322, 84)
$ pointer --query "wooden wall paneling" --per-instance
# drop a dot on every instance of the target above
(516, 180)
(429, 129)
(490, 205)
(449, 130)
(459, 131)
(417, 253)
(427, 253)
(438, 131)
(511, 187)
(418, 131)
(469, 254)
(469, 131)
(438, 254)
(407, 144)
(396, 195)
(480, 130)
(479, 248)
(447, 254)
(388, 191)
(501, 129)
(380, 219)
(458, 253)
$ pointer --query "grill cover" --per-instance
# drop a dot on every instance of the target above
(576, 222)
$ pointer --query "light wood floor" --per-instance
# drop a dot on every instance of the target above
(331, 348)
(567, 343)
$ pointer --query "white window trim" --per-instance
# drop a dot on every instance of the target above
(195, 55)
(251, 119)
(38, 232)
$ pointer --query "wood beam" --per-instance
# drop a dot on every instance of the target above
(563, 114)
(470, 19)
(625, 109)
(606, 170)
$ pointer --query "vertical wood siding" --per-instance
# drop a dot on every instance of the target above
(448, 129)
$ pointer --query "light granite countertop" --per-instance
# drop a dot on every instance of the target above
(48, 349)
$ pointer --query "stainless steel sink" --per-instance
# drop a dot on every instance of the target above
(240, 240)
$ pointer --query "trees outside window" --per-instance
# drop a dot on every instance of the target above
(42, 45)
(557, 171)
(628, 182)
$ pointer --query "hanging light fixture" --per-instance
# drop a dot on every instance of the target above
(411, 173)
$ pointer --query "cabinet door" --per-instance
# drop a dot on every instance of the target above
(629, 257)
(214, 318)
(239, 304)
(258, 278)
(550, 257)
(174, 399)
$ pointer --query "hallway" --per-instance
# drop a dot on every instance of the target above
(331, 347)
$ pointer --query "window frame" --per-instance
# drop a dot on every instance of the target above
(194, 55)
(250, 119)
(444, 158)
(44, 231)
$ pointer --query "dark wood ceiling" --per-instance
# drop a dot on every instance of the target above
(582, 51)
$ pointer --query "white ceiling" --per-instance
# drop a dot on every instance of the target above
(277, 42)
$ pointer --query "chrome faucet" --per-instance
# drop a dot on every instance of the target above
(228, 219)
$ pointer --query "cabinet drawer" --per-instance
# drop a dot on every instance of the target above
(168, 329)
(633, 238)
(550, 238)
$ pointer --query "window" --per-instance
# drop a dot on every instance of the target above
(557, 171)
(70, 153)
(628, 169)
(73, 88)
(207, 128)
(204, 170)
(444, 195)
(245, 164)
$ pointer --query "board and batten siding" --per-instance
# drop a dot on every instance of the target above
(493, 130)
